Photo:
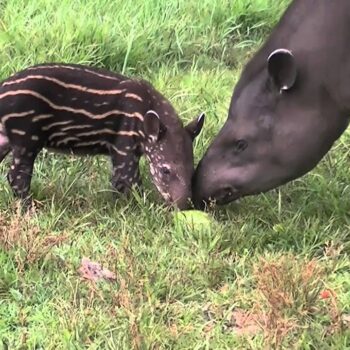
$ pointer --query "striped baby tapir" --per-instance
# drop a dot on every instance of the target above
(87, 110)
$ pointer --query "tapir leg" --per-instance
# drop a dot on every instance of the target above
(20, 174)
(126, 171)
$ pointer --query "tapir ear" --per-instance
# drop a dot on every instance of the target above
(153, 127)
(195, 126)
(282, 69)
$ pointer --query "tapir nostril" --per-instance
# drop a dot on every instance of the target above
(228, 191)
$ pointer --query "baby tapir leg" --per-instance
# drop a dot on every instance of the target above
(20, 174)
(126, 171)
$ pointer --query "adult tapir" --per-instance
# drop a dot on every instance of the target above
(289, 106)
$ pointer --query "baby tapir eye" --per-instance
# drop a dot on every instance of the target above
(165, 170)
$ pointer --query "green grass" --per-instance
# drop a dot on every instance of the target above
(268, 255)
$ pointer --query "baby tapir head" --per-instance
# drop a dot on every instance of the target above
(169, 151)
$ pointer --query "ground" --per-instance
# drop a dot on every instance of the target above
(272, 271)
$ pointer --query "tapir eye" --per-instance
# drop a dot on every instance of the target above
(240, 145)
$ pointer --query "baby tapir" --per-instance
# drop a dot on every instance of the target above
(86, 110)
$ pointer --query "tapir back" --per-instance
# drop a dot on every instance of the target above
(70, 108)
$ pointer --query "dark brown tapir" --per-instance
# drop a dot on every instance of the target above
(291, 104)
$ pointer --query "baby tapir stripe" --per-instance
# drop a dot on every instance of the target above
(69, 86)
(85, 110)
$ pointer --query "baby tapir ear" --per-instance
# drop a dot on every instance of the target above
(282, 69)
(153, 127)
(195, 126)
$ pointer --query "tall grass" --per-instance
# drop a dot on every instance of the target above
(136, 36)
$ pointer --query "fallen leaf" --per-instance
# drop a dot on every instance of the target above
(93, 271)
(245, 322)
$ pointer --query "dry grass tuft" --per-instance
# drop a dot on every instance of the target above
(289, 296)
(20, 233)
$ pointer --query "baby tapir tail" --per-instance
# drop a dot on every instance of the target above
(4, 144)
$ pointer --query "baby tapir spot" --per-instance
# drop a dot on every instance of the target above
(35, 138)
(17, 161)
(18, 132)
(121, 166)
(12, 167)
(6, 117)
(52, 136)
(66, 140)
(48, 127)
(121, 153)
(19, 177)
(77, 127)
(74, 98)
(134, 96)
(41, 117)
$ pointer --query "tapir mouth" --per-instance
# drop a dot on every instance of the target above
(221, 197)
